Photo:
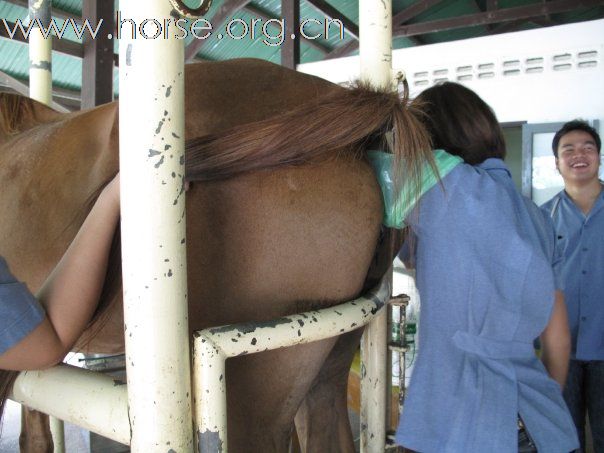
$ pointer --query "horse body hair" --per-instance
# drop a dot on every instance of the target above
(344, 122)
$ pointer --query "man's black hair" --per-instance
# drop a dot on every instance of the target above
(575, 125)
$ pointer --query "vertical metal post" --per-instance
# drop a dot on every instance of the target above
(97, 62)
(153, 227)
(209, 377)
(57, 429)
(40, 52)
(375, 51)
(290, 49)
(40, 89)
(375, 43)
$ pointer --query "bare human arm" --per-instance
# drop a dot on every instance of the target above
(71, 292)
(555, 342)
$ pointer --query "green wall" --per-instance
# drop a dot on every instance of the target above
(513, 143)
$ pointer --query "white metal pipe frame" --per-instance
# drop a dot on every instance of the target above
(99, 403)
(153, 230)
(214, 345)
(85, 398)
(375, 52)
(153, 412)
(40, 89)
(40, 53)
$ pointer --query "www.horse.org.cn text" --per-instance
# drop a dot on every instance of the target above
(271, 32)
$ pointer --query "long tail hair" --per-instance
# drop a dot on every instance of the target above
(7, 379)
(13, 110)
(343, 122)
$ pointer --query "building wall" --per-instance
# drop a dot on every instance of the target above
(543, 75)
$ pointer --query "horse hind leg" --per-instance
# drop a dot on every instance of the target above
(322, 422)
(35, 434)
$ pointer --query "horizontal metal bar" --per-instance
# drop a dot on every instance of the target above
(248, 338)
(400, 300)
(85, 398)
(213, 346)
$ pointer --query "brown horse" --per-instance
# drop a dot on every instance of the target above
(283, 215)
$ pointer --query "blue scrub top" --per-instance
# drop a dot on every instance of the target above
(581, 239)
(20, 312)
(484, 257)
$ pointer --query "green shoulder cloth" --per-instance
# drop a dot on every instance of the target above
(397, 208)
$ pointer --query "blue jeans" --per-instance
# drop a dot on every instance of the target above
(584, 394)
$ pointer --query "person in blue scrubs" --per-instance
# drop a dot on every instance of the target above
(484, 258)
(578, 215)
(37, 332)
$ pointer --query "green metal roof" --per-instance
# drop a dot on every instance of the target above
(436, 19)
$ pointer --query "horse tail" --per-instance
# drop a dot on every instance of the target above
(13, 110)
(345, 122)
(7, 379)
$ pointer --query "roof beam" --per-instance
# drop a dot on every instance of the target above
(342, 51)
(23, 89)
(491, 17)
(506, 27)
(64, 46)
(547, 17)
(266, 17)
(399, 18)
(544, 21)
(56, 12)
(332, 13)
(290, 49)
(226, 10)
(97, 63)
(490, 5)
(412, 11)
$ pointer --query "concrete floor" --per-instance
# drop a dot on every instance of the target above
(76, 439)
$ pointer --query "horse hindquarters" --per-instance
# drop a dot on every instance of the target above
(266, 245)
(322, 421)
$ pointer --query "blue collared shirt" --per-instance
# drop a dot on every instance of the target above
(20, 312)
(484, 257)
(581, 239)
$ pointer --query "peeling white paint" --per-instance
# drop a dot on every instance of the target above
(155, 306)
(375, 55)
(213, 346)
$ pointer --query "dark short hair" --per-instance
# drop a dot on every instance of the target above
(461, 123)
(575, 125)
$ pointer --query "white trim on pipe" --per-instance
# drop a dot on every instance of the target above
(375, 43)
(214, 345)
(85, 398)
(375, 54)
(153, 229)
(40, 53)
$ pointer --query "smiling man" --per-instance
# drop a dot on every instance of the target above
(578, 215)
